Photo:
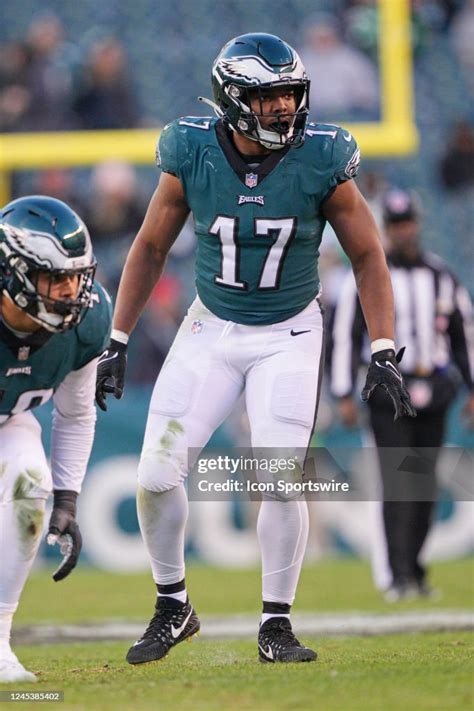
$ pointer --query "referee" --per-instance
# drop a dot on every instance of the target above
(433, 319)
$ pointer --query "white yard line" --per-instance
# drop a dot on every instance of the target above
(245, 626)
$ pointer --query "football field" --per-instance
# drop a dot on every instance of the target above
(414, 671)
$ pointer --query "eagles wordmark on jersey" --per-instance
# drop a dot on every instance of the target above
(259, 228)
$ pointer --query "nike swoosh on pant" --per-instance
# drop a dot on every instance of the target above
(298, 333)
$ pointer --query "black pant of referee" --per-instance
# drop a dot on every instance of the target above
(409, 482)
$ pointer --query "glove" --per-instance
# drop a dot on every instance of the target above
(63, 529)
(384, 371)
(111, 372)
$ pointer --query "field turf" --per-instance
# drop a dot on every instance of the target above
(329, 586)
(412, 672)
(409, 672)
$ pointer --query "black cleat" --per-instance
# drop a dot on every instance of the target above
(277, 643)
(401, 591)
(173, 622)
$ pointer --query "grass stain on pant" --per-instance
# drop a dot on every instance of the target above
(29, 511)
(29, 515)
(173, 429)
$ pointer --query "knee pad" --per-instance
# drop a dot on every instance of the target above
(23, 482)
(160, 471)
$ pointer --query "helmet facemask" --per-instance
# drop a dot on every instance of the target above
(21, 283)
(42, 242)
(249, 66)
(287, 129)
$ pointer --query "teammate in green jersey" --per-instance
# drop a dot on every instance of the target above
(54, 322)
(260, 183)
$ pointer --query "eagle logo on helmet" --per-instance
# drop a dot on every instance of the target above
(256, 62)
(41, 237)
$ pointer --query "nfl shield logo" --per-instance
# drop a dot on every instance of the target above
(251, 180)
(23, 352)
(196, 326)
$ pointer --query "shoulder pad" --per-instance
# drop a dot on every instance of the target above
(335, 150)
(346, 157)
(174, 134)
(93, 333)
(166, 149)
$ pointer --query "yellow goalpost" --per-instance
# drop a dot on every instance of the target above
(394, 135)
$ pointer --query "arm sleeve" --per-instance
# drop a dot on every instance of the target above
(167, 150)
(72, 434)
(461, 334)
(347, 337)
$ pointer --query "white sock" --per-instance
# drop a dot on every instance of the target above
(282, 530)
(268, 615)
(162, 518)
(21, 526)
(182, 595)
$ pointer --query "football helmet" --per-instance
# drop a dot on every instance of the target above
(40, 235)
(246, 67)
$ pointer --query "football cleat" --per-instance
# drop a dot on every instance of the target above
(401, 591)
(11, 670)
(172, 623)
(277, 643)
(425, 590)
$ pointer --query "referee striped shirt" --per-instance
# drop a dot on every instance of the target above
(433, 320)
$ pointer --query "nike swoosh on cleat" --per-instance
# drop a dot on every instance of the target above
(298, 333)
(176, 631)
(347, 137)
(268, 652)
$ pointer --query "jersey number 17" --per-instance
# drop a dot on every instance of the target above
(226, 230)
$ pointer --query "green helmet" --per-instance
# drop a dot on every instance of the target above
(41, 235)
(245, 67)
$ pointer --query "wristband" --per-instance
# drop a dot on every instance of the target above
(382, 344)
(119, 336)
(65, 499)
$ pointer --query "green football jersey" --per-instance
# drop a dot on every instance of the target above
(258, 229)
(31, 372)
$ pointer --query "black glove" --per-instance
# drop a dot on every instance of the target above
(384, 371)
(111, 372)
(63, 529)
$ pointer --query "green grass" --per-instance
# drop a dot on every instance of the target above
(332, 585)
(413, 672)
(408, 672)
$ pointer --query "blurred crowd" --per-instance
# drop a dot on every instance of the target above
(52, 79)
(47, 84)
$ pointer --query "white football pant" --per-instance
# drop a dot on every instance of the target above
(25, 484)
(210, 364)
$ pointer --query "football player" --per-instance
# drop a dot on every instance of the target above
(54, 322)
(260, 183)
